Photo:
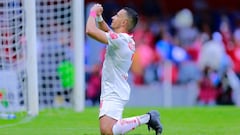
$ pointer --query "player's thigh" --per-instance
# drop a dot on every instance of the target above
(113, 109)
(106, 125)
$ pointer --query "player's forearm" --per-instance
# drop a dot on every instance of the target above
(91, 25)
(103, 26)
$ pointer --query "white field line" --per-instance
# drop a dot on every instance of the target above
(23, 121)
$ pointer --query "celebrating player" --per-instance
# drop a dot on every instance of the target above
(115, 90)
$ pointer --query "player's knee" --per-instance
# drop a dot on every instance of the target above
(105, 130)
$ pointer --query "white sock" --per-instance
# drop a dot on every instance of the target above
(144, 118)
(127, 124)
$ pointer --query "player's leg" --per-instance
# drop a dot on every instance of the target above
(110, 112)
(106, 125)
(127, 124)
(111, 121)
(152, 119)
(110, 126)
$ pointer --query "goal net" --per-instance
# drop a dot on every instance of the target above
(55, 52)
(12, 56)
(56, 66)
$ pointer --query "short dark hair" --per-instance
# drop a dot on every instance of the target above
(133, 17)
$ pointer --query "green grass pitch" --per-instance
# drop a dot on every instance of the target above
(221, 120)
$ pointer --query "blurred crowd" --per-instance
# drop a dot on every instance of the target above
(199, 47)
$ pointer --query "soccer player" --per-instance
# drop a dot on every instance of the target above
(115, 90)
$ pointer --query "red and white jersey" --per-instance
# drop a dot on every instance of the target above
(118, 60)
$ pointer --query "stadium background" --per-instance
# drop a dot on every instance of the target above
(197, 76)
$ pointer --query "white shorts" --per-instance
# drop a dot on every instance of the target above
(112, 108)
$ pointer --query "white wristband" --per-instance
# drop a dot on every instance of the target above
(99, 18)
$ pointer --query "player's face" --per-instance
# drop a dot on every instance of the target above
(119, 19)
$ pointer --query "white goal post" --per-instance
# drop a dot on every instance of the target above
(78, 41)
(32, 73)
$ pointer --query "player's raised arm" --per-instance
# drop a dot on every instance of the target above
(102, 24)
(91, 28)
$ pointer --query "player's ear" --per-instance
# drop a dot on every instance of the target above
(125, 22)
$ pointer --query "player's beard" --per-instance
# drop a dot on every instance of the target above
(114, 26)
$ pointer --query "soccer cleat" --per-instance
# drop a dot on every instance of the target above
(154, 122)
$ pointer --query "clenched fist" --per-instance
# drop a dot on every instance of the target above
(98, 9)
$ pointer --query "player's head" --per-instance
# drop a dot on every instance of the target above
(125, 18)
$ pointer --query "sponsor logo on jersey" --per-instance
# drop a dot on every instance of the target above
(113, 35)
(131, 46)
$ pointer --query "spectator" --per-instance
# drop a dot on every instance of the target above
(207, 91)
(235, 53)
(94, 85)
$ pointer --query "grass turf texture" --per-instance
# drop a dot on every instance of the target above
(177, 121)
